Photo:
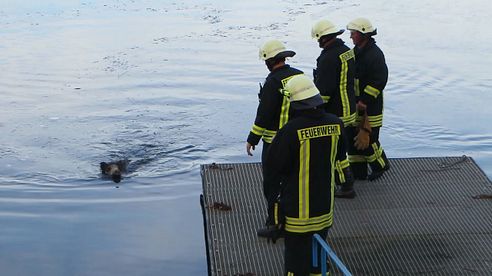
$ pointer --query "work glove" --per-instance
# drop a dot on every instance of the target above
(361, 141)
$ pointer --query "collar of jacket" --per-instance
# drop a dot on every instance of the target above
(337, 42)
(370, 43)
(312, 113)
(283, 67)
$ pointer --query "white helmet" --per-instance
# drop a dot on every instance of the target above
(274, 49)
(324, 27)
(303, 93)
(362, 25)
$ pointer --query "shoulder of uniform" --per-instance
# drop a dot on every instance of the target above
(333, 118)
(297, 71)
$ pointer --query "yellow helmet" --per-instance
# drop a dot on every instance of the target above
(324, 27)
(303, 93)
(274, 49)
(362, 25)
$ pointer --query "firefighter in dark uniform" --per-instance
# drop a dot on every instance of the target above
(273, 109)
(334, 78)
(371, 77)
(304, 154)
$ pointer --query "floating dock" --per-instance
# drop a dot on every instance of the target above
(425, 216)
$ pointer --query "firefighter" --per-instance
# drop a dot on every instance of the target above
(273, 108)
(371, 76)
(334, 78)
(304, 154)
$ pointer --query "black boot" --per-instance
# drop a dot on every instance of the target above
(377, 173)
(345, 192)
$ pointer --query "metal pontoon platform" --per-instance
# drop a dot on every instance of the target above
(425, 216)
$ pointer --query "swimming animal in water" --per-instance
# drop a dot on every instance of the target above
(114, 169)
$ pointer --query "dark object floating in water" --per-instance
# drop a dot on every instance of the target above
(483, 196)
(220, 206)
(114, 169)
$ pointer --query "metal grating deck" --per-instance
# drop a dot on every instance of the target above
(420, 218)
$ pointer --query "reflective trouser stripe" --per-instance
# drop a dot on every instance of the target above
(297, 225)
(357, 159)
(340, 165)
(377, 155)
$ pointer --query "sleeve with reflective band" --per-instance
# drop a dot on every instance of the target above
(258, 130)
(372, 91)
(255, 135)
(349, 120)
(374, 120)
(268, 135)
(258, 133)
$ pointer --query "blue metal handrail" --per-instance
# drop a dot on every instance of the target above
(318, 241)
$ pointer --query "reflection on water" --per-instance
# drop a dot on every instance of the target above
(171, 85)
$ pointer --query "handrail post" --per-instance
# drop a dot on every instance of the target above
(325, 249)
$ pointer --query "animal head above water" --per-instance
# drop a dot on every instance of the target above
(114, 169)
